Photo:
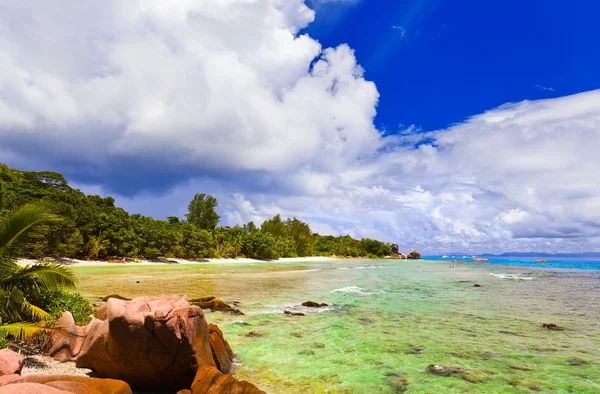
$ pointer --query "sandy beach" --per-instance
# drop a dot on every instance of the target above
(169, 261)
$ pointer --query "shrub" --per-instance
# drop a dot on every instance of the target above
(57, 302)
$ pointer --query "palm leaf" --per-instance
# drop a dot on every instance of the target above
(39, 276)
(20, 226)
(14, 307)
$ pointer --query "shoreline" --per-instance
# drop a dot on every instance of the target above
(100, 263)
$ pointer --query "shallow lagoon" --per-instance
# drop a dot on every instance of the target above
(388, 320)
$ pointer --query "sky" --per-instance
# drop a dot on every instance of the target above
(442, 126)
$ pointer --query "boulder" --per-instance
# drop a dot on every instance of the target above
(222, 353)
(214, 304)
(312, 304)
(210, 380)
(10, 362)
(150, 342)
(395, 249)
(61, 384)
(414, 255)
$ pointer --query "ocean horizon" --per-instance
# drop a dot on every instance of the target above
(552, 261)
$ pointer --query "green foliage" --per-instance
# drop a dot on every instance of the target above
(20, 287)
(91, 227)
(261, 246)
(57, 302)
(201, 212)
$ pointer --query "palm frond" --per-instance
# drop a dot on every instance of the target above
(42, 275)
(23, 224)
(14, 307)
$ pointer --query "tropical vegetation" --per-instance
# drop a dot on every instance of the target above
(92, 227)
(21, 288)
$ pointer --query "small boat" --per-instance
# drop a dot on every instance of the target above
(480, 258)
(541, 261)
(444, 257)
(465, 257)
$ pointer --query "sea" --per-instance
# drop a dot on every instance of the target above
(580, 263)
(389, 323)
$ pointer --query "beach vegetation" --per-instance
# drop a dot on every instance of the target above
(92, 227)
(21, 287)
(201, 211)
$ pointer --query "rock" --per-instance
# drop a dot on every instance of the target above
(209, 380)
(395, 249)
(293, 313)
(11, 363)
(577, 362)
(254, 334)
(414, 255)
(222, 353)
(184, 391)
(61, 384)
(476, 285)
(552, 326)
(8, 379)
(444, 370)
(312, 304)
(149, 342)
(118, 297)
(398, 382)
(33, 388)
(214, 304)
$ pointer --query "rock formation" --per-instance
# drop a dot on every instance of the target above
(312, 304)
(395, 249)
(10, 362)
(153, 343)
(414, 255)
(61, 384)
(214, 304)
(210, 380)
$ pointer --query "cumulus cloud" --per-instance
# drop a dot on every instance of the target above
(202, 86)
(154, 101)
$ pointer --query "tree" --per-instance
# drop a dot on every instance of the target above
(173, 220)
(201, 212)
(20, 287)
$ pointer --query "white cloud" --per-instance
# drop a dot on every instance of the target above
(540, 87)
(226, 98)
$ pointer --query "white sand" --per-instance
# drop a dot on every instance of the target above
(96, 263)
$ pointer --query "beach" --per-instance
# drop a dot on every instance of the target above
(387, 321)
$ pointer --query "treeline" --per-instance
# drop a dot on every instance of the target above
(91, 227)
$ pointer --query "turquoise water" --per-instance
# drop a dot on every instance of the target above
(388, 320)
(553, 262)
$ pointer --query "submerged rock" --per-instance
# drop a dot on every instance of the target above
(312, 304)
(552, 326)
(293, 313)
(215, 304)
(577, 362)
(444, 370)
(397, 381)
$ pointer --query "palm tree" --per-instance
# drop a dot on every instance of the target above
(20, 286)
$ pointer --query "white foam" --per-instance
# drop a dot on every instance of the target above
(349, 289)
(510, 276)
(355, 290)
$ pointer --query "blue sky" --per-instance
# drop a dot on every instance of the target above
(438, 125)
(438, 62)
